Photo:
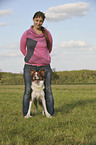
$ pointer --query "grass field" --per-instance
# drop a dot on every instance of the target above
(74, 122)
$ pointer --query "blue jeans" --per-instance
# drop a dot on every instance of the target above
(28, 82)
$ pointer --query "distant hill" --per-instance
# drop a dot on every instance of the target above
(61, 77)
(11, 78)
(77, 77)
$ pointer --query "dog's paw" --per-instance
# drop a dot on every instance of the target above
(42, 112)
(28, 116)
(48, 115)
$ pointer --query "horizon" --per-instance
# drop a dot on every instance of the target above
(53, 71)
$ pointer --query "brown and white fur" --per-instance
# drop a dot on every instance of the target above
(38, 92)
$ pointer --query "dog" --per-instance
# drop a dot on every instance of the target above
(38, 92)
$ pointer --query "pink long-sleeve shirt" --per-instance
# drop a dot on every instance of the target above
(34, 48)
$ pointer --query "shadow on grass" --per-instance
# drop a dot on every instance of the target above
(68, 107)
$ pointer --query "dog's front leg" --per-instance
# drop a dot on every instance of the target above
(30, 104)
(44, 105)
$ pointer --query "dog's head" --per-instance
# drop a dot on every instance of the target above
(37, 75)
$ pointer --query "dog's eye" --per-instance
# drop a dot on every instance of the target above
(38, 75)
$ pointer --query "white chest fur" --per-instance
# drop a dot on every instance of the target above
(37, 89)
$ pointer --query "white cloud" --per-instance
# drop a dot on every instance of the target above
(76, 45)
(12, 54)
(4, 24)
(67, 11)
(5, 12)
(11, 50)
(73, 44)
(74, 55)
(11, 46)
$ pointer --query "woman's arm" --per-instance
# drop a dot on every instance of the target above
(50, 42)
(23, 43)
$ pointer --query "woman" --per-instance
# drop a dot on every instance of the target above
(36, 44)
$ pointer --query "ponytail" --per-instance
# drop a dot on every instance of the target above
(44, 31)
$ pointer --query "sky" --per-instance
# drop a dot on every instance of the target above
(72, 24)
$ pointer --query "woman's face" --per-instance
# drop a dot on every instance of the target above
(38, 21)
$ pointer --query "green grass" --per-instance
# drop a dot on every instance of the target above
(74, 122)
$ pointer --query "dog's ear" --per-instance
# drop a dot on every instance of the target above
(42, 72)
(32, 72)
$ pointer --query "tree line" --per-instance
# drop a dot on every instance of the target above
(59, 78)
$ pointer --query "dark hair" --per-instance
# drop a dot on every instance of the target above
(44, 31)
(39, 14)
